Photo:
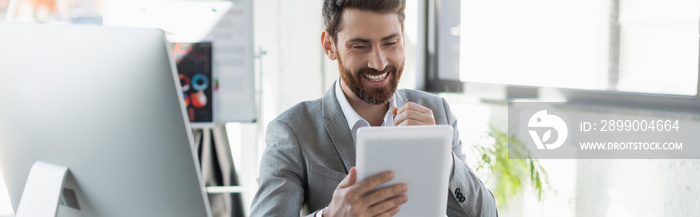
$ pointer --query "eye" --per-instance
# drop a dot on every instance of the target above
(390, 43)
(359, 47)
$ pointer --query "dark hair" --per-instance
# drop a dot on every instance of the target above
(333, 11)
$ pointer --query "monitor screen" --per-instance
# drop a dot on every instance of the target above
(77, 97)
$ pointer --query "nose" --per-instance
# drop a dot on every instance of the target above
(377, 60)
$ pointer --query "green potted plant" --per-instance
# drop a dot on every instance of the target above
(507, 176)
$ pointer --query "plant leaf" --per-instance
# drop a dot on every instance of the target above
(508, 176)
(546, 136)
(532, 170)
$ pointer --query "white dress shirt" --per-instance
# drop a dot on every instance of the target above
(354, 119)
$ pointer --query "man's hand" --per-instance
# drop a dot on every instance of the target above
(358, 199)
(413, 114)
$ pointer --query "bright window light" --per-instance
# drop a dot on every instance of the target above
(648, 46)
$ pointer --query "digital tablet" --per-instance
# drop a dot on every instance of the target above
(419, 157)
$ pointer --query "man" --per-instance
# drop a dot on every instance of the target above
(310, 155)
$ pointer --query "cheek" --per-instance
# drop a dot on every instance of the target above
(396, 56)
(352, 64)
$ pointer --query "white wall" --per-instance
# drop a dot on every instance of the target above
(290, 31)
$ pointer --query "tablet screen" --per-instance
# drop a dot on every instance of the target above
(419, 157)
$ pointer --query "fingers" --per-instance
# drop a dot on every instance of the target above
(349, 180)
(385, 193)
(413, 114)
(415, 107)
(390, 212)
(373, 181)
(388, 207)
(351, 198)
(411, 117)
(394, 111)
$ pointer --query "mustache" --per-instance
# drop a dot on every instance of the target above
(371, 71)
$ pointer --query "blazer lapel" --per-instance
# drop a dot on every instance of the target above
(338, 130)
(337, 125)
(400, 98)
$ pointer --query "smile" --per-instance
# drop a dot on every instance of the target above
(376, 77)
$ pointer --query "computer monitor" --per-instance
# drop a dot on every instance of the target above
(105, 103)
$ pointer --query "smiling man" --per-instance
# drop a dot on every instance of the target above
(308, 164)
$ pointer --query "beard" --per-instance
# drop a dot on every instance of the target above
(371, 95)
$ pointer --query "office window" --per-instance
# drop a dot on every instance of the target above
(645, 46)
(659, 46)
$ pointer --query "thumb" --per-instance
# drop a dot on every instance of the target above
(394, 111)
(349, 180)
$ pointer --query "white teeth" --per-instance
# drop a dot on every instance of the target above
(376, 77)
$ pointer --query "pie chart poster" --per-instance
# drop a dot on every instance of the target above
(194, 67)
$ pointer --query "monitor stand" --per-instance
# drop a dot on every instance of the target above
(50, 191)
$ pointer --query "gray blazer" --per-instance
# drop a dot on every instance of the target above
(310, 150)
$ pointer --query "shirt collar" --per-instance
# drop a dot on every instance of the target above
(355, 121)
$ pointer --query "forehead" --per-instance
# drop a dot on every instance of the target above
(368, 25)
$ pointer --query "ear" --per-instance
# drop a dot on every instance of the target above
(328, 45)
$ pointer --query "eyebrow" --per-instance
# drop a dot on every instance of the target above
(390, 36)
(362, 40)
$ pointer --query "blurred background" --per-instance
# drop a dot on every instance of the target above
(619, 57)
